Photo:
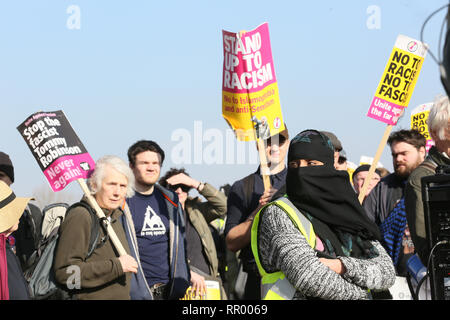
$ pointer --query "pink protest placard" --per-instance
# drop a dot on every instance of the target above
(56, 147)
(248, 63)
(249, 87)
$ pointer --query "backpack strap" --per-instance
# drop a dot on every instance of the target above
(95, 228)
(170, 200)
(33, 226)
(32, 218)
(249, 184)
(167, 194)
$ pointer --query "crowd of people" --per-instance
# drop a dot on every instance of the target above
(306, 237)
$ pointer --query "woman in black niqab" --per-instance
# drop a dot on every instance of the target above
(326, 197)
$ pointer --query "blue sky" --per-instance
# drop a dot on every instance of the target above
(145, 69)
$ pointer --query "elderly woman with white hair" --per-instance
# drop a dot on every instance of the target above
(439, 127)
(102, 274)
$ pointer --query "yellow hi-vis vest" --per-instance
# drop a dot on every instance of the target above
(275, 285)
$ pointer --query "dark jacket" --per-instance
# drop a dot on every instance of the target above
(201, 214)
(179, 269)
(102, 276)
(413, 200)
(18, 287)
(242, 202)
(379, 204)
(243, 199)
(383, 198)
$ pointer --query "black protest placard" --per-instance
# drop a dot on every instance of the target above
(56, 147)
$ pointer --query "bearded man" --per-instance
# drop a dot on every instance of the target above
(385, 204)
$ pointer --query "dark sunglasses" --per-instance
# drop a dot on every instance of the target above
(278, 138)
(183, 187)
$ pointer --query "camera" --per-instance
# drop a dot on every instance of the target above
(436, 201)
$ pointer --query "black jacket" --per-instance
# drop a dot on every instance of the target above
(18, 287)
(379, 204)
(384, 197)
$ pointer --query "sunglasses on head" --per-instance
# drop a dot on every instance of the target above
(183, 187)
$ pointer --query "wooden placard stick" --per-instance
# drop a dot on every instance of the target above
(373, 166)
(264, 168)
(265, 171)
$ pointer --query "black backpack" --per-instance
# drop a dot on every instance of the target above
(28, 235)
(40, 275)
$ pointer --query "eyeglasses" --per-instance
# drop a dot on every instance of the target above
(183, 187)
(278, 139)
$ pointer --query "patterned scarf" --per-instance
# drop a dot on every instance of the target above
(392, 229)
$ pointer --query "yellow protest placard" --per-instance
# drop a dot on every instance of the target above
(212, 292)
(351, 167)
(394, 91)
(419, 118)
(398, 80)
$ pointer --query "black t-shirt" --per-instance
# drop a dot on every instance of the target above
(195, 251)
(239, 207)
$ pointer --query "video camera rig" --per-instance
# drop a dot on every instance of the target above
(436, 203)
